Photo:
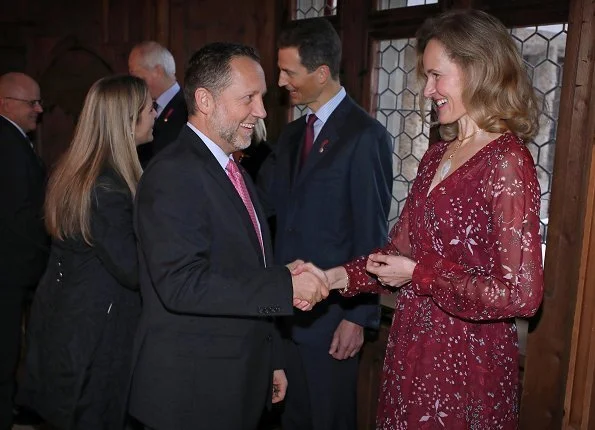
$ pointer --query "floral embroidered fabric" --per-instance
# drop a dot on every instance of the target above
(452, 355)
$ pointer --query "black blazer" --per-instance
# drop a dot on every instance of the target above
(24, 245)
(84, 317)
(206, 345)
(166, 129)
(334, 209)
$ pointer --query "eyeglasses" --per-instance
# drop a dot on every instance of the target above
(31, 103)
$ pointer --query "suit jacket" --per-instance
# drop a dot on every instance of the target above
(166, 128)
(207, 339)
(331, 210)
(25, 244)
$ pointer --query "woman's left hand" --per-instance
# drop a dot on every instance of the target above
(392, 270)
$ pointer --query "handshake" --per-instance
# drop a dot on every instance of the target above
(311, 284)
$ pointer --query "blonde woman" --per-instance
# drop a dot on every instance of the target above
(87, 304)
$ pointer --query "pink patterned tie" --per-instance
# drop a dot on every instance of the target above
(238, 182)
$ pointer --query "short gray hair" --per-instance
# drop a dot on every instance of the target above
(153, 54)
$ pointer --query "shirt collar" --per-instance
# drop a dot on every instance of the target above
(166, 97)
(218, 153)
(329, 107)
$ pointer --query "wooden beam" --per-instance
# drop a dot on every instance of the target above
(352, 26)
(580, 387)
(549, 346)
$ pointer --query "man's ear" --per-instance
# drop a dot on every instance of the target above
(159, 70)
(323, 74)
(204, 100)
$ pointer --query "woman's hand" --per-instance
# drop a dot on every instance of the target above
(392, 270)
(337, 277)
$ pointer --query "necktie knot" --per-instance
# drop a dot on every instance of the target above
(311, 120)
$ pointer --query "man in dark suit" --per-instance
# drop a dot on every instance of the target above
(331, 203)
(24, 244)
(156, 66)
(208, 350)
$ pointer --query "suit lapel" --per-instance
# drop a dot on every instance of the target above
(295, 141)
(327, 140)
(213, 168)
(169, 110)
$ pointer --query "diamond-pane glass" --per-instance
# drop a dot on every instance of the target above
(397, 108)
(297, 111)
(314, 8)
(543, 49)
(394, 4)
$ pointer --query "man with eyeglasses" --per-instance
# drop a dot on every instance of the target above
(23, 243)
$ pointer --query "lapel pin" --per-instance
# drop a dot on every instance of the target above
(167, 114)
(323, 146)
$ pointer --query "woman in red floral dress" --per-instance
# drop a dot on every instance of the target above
(466, 250)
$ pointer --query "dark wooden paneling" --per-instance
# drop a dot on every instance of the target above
(196, 23)
(35, 33)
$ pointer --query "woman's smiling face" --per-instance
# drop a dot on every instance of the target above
(444, 83)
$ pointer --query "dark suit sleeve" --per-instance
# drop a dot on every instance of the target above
(113, 234)
(17, 212)
(371, 188)
(25, 241)
(189, 249)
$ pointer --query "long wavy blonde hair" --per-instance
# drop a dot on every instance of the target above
(498, 93)
(104, 136)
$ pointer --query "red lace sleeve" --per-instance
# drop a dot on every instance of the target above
(359, 281)
(510, 284)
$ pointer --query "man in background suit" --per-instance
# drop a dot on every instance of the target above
(331, 205)
(24, 243)
(156, 66)
(207, 354)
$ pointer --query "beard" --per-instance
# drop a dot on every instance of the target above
(230, 132)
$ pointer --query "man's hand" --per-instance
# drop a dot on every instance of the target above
(279, 385)
(310, 285)
(347, 340)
